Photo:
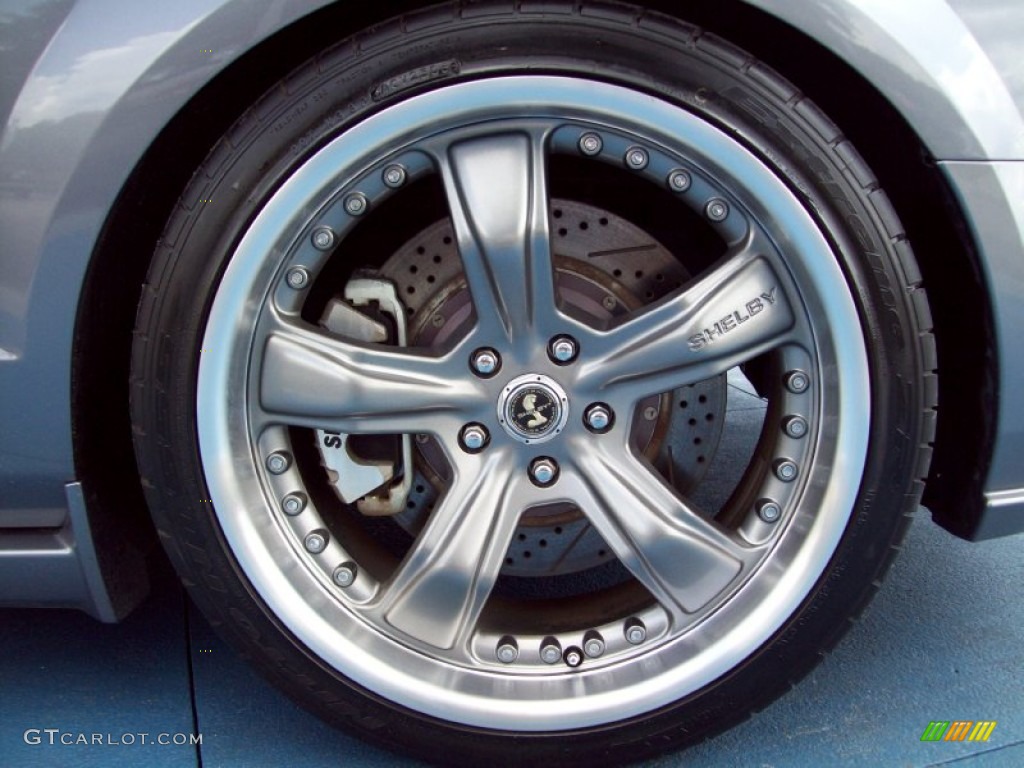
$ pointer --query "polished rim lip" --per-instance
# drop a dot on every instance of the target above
(399, 673)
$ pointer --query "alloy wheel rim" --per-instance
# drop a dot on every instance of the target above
(413, 637)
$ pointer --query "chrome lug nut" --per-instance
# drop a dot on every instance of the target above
(591, 144)
(572, 657)
(716, 210)
(278, 462)
(323, 238)
(598, 418)
(485, 362)
(795, 426)
(543, 471)
(635, 631)
(474, 438)
(679, 181)
(563, 349)
(508, 650)
(297, 278)
(550, 651)
(345, 574)
(593, 644)
(293, 503)
(394, 176)
(636, 158)
(797, 382)
(786, 470)
(356, 204)
(316, 542)
(769, 510)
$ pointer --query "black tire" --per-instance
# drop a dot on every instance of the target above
(619, 44)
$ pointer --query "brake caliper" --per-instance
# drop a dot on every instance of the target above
(378, 486)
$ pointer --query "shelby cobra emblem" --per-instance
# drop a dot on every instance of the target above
(533, 408)
(532, 411)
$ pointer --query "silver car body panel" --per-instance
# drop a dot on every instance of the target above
(998, 27)
(103, 79)
(992, 196)
(58, 566)
(924, 58)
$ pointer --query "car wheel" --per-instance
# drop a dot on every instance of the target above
(559, 382)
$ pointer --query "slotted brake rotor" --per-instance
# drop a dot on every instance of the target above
(606, 267)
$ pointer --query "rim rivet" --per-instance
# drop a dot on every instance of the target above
(679, 181)
(635, 631)
(323, 238)
(394, 176)
(716, 210)
(609, 303)
(422, 439)
(797, 382)
(485, 362)
(650, 413)
(769, 510)
(474, 438)
(345, 574)
(508, 650)
(543, 471)
(563, 349)
(293, 503)
(316, 542)
(297, 278)
(573, 656)
(550, 651)
(636, 158)
(795, 426)
(356, 204)
(598, 418)
(591, 144)
(593, 644)
(278, 462)
(786, 470)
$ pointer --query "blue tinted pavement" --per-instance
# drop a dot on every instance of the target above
(943, 640)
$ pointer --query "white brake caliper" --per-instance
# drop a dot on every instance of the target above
(377, 487)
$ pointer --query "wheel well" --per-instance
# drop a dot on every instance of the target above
(101, 362)
(935, 226)
(104, 456)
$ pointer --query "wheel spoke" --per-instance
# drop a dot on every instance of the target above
(441, 587)
(497, 192)
(728, 317)
(682, 559)
(311, 379)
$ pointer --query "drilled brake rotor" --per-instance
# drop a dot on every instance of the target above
(606, 267)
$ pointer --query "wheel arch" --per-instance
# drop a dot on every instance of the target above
(936, 224)
(104, 458)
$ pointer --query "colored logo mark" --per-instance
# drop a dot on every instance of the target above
(958, 730)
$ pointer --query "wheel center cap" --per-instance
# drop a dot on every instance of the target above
(533, 408)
